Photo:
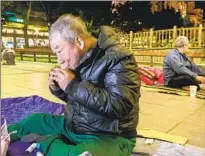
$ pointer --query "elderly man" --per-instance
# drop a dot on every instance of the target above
(99, 81)
(179, 70)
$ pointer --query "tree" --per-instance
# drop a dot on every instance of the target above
(124, 15)
(4, 17)
(52, 10)
(131, 15)
(196, 15)
(186, 9)
(4, 6)
(86, 16)
(94, 13)
(24, 10)
(29, 6)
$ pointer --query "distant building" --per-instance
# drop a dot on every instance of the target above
(13, 34)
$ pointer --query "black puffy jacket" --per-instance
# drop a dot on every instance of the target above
(104, 96)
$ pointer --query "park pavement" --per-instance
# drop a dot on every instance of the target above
(171, 114)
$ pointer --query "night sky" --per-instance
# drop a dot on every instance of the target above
(130, 14)
(136, 11)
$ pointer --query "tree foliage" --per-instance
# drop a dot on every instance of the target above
(4, 6)
(125, 15)
(93, 16)
(52, 10)
(29, 8)
(187, 10)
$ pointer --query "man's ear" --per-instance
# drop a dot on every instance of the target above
(79, 42)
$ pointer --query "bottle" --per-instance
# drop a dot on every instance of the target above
(31, 148)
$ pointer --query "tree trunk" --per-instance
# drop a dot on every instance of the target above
(46, 7)
(26, 25)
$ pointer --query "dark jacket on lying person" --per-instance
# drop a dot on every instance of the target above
(104, 96)
(176, 64)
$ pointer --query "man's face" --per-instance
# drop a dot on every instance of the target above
(186, 48)
(68, 54)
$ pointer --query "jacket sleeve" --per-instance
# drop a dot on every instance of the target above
(119, 94)
(59, 93)
(177, 65)
(198, 70)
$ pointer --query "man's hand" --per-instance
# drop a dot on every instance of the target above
(63, 77)
(52, 80)
(200, 79)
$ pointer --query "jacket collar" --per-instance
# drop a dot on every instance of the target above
(106, 38)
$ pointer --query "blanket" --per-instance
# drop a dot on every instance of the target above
(16, 109)
(163, 89)
(152, 80)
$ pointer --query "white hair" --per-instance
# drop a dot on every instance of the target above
(69, 27)
(181, 41)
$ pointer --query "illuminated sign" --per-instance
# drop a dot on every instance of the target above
(13, 19)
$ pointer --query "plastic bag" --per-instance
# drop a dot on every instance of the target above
(4, 129)
(5, 137)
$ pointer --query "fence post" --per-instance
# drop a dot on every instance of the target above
(34, 56)
(152, 61)
(131, 40)
(14, 37)
(49, 58)
(199, 35)
(21, 53)
(174, 35)
(150, 38)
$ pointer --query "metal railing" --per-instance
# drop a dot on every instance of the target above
(148, 47)
(163, 38)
